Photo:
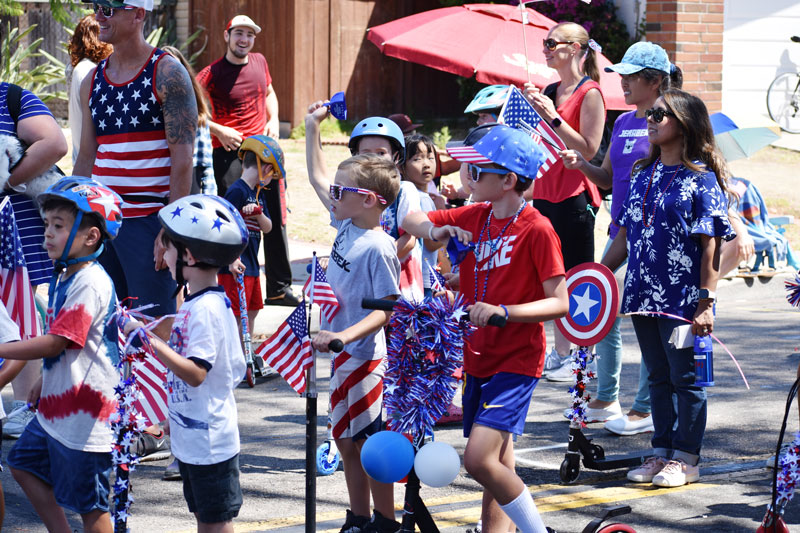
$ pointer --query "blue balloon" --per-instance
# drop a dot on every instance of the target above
(387, 456)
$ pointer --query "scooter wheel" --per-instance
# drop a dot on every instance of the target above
(327, 465)
(616, 528)
(598, 454)
(569, 471)
(251, 379)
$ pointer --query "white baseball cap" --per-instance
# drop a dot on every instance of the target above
(242, 20)
(146, 4)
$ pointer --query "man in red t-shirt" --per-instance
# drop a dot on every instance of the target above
(244, 104)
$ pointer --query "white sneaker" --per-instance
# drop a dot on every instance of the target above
(602, 414)
(625, 426)
(553, 361)
(563, 373)
(676, 473)
(648, 470)
(15, 425)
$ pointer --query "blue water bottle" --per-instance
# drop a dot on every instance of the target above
(703, 361)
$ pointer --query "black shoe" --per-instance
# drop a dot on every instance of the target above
(287, 299)
(353, 523)
(151, 447)
(380, 524)
(172, 472)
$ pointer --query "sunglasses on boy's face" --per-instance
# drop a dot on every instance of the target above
(109, 11)
(475, 172)
(337, 190)
(657, 114)
(551, 44)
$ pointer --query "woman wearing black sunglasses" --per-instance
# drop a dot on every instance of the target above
(575, 109)
(645, 72)
(671, 227)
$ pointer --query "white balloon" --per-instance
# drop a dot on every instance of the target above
(437, 464)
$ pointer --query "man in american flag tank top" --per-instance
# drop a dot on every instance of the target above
(139, 123)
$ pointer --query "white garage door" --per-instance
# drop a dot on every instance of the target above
(756, 48)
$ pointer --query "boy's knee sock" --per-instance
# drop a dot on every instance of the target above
(523, 513)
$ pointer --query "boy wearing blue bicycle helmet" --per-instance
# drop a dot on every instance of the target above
(64, 454)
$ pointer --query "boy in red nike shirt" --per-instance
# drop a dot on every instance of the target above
(516, 270)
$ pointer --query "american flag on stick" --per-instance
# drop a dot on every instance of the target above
(518, 113)
(15, 285)
(437, 280)
(321, 292)
(288, 351)
(151, 376)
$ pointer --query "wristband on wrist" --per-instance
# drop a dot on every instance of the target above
(430, 232)
(504, 309)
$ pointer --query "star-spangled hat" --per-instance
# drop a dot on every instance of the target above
(507, 147)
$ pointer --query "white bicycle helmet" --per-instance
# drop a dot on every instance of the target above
(209, 226)
(489, 98)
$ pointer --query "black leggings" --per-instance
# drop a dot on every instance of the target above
(573, 220)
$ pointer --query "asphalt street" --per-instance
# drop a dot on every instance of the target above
(753, 320)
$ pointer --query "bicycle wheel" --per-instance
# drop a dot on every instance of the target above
(783, 101)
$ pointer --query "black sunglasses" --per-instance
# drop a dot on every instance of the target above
(476, 172)
(551, 44)
(108, 11)
(657, 114)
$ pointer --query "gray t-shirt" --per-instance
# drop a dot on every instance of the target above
(363, 264)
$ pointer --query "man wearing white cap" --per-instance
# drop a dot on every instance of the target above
(240, 88)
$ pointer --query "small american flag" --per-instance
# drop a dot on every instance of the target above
(323, 293)
(15, 285)
(518, 113)
(151, 376)
(437, 281)
(288, 351)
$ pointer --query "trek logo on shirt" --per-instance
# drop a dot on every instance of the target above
(502, 255)
(338, 258)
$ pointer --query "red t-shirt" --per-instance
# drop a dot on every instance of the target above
(528, 254)
(560, 183)
(238, 94)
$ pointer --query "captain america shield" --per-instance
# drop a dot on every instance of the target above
(593, 304)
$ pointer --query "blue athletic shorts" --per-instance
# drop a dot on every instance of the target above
(212, 491)
(500, 402)
(130, 263)
(79, 479)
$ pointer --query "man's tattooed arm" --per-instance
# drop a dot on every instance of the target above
(179, 107)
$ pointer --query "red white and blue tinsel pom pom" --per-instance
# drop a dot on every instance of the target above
(789, 473)
(425, 350)
(127, 423)
(578, 390)
(793, 290)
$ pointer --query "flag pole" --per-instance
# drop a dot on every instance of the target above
(311, 417)
(524, 13)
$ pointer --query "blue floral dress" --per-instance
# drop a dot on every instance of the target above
(666, 211)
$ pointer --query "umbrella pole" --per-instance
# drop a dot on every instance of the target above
(524, 14)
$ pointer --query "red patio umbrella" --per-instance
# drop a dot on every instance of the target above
(484, 40)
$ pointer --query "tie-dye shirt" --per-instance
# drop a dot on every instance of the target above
(78, 384)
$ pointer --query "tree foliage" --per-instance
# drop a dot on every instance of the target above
(63, 10)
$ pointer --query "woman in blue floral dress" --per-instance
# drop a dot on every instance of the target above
(672, 224)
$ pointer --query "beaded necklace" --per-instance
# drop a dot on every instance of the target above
(493, 243)
(647, 223)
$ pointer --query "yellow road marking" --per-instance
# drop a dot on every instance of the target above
(470, 515)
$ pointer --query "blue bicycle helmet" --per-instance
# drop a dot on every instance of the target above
(488, 99)
(90, 199)
(379, 127)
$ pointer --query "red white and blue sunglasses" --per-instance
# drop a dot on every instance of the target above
(336, 193)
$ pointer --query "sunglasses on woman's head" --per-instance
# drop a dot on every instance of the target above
(337, 190)
(109, 11)
(475, 172)
(551, 44)
(657, 114)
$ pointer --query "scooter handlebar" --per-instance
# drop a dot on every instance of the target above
(388, 305)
